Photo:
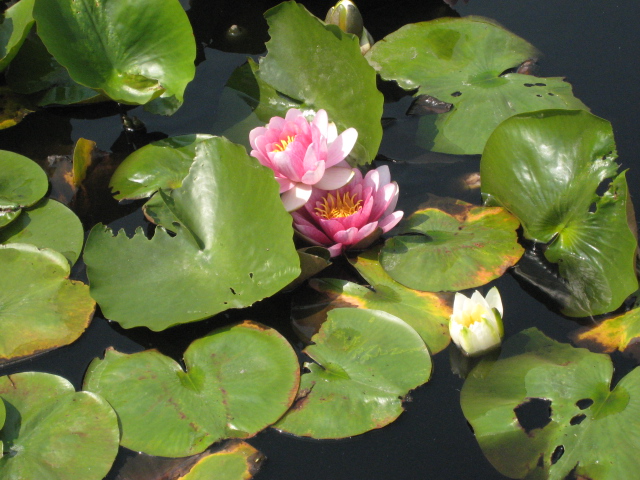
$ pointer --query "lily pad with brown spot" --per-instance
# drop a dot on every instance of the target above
(621, 332)
(463, 247)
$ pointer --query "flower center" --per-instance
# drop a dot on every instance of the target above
(339, 206)
(280, 147)
(471, 316)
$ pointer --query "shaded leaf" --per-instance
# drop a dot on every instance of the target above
(237, 381)
(466, 247)
(14, 108)
(367, 362)
(15, 26)
(312, 261)
(52, 431)
(580, 420)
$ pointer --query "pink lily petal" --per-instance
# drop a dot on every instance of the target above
(336, 250)
(341, 146)
(321, 122)
(285, 165)
(332, 132)
(296, 197)
(334, 178)
(285, 184)
(312, 177)
(347, 237)
(291, 115)
(390, 221)
(313, 235)
(385, 200)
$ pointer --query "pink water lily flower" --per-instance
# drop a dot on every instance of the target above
(353, 216)
(303, 154)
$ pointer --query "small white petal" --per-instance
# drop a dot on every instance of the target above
(334, 178)
(296, 197)
(494, 300)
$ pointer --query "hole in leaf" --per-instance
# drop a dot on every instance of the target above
(538, 95)
(528, 84)
(592, 207)
(603, 187)
(456, 94)
(250, 274)
(584, 403)
(541, 84)
(232, 290)
(557, 454)
(577, 420)
(550, 94)
(534, 413)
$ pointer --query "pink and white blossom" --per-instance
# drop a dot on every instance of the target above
(303, 154)
(353, 216)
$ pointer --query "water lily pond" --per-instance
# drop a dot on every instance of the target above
(250, 239)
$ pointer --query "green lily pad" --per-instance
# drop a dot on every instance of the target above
(462, 61)
(40, 308)
(312, 261)
(621, 332)
(466, 247)
(239, 461)
(22, 184)
(15, 26)
(428, 313)
(233, 247)
(48, 224)
(238, 380)
(582, 421)
(547, 168)
(162, 164)
(321, 67)
(54, 432)
(131, 50)
(367, 362)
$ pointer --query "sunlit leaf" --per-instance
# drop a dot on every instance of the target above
(233, 247)
(22, 184)
(236, 381)
(15, 26)
(54, 432)
(546, 410)
(132, 50)
(621, 332)
(464, 247)
(462, 61)
(367, 362)
(549, 168)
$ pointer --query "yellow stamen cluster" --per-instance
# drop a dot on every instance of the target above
(339, 206)
(472, 315)
(279, 147)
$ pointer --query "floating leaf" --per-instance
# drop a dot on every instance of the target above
(321, 67)
(162, 164)
(132, 50)
(312, 261)
(52, 431)
(238, 380)
(22, 184)
(464, 248)
(228, 200)
(40, 308)
(48, 224)
(368, 361)
(546, 168)
(463, 61)
(15, 26)
(428, 313)
(580, 420)
(621, 332)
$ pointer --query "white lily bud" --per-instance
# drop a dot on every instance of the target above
(346, 15)
(476, 322)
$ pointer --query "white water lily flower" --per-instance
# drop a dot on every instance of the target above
(476, 322)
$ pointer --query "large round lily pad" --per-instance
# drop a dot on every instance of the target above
(53, 432)
(549, 168)
(464, 247)
(233, 247)
(22, 183)
(132, 50)
(367, 362)
(321, 67)
(583, 428)
(238, 380)
(40, 308)
(462, 61)
(49, 224)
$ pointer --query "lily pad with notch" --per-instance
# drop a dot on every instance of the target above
(237, 381)
(22, 184)
(546, 410)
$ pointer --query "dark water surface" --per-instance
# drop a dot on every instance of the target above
(594, 43)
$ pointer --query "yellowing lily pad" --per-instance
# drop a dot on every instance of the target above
(53, 432)
(237, 381)
(239, 461)
(621, 332)
(367, 362)
(464, 247)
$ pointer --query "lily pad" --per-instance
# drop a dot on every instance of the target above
(233, 247)
(367, 362)
(466, 247)
(321, 67)
(52, 431)
(548, 169)
(462, 61)
(237, 381)
(131, 50)
(621, 332)
(14, 27)
(48, 224)
(22, 184)
(428, 313)
(580, 420)
(237, 462)
(162, 164)
(40, 308)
